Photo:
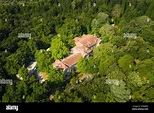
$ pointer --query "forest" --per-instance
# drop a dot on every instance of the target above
(122, 67)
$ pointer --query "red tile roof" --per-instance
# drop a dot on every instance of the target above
(72, 59)
(76, 39)
(87, 40)
(82, 47)
(81, 50)
(68, 61)
(59, 64)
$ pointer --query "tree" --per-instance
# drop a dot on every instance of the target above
(136, 25)
(9, 94)
(84, 68)
(21, 57)
(32, 43)
(104, 67)
(150, 10)
(27, 91)
(99, 21)
(146, 52)
(147, 35)
(149, 95)
(43, 59)
(58, 48)
(101, 91)
(145, 69)
(41, 29)
(38, 93)
(121, 92)
(81, 65)
(92, 66)
(3, 56)
(116, 12)
(123, 7)
(118, 41)
(103, 51)
(140, 7)
(55, 76)
(23, 73)
(133, 46)
(126, 63)
(71, 26)
(85, 19)
(135, 81)
(106, 9)
(91, 90)
(68, 95)
(109, 97)
(116, 73)
(99, 97)
(107, 30)
(15, 92)
(12, 64)
(10, 44)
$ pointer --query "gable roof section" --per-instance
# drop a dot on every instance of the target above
(72, 59)
(76, 39)
(59, 64)
(88, 40)
(31, 66)
(83, 50)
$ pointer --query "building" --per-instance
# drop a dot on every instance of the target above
(83, 48)
(85, 44)
(32, 67)
(67, 64)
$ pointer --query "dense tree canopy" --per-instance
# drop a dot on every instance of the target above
(58, 49)
(121, 69)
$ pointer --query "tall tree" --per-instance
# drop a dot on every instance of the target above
(99, 21)
(23, 73)
(58, 48)
(126, 63)
(121, 92)
(43, 59)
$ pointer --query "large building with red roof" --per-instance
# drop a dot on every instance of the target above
(83, 47)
